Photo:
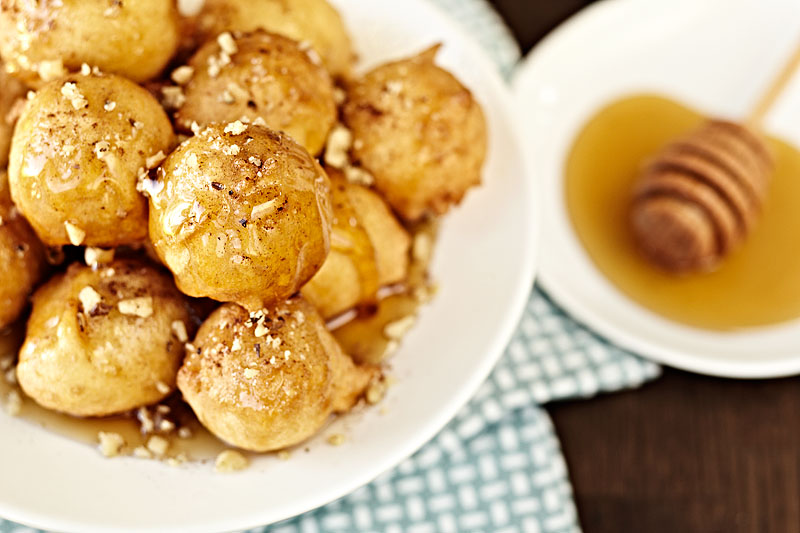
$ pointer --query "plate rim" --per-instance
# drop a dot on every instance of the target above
(466, 391)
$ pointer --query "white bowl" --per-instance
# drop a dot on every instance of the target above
(715, 55)
(484, 264)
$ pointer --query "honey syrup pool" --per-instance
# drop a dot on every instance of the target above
(757, 285)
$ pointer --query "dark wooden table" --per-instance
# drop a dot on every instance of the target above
(686, 453)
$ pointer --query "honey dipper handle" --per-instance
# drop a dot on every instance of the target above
(774, 90)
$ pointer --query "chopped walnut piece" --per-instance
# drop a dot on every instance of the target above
(158, 445)
(236, 128)
(230, 461)
(110, 443)
(340, 141)
(142, 453)
(141, 307)
(182, 75)
(162, 387)
(50, 70)
(179, 330)
(110, 106)
(250, 373)
(184, 433)
(359, 176)
(172, 97)
(97, 256)
(375, 392)
(89, 299)
(70, 91)
(227, 43)
(75, 234)
(86, 70)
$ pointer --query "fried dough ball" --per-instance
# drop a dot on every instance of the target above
(270, 380)
(241, 214)
(420, 132)
(312, 21)
(41, 41)
(11, 91)
(78, 150)
(369, 249)
(22, 259)
(269, 77)
(104, 341)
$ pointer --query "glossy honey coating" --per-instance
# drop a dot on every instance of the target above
(104, 341)
(11, 92)
(261, 75)
(40, 41)
(78, 151)
(420, 132)
(268, 380)
(22, 259)
(240, 213)
(312, 21)
(369, 250)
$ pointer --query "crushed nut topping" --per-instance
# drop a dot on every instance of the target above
(110, 443)
(182, 75)
(230, 461)
(142, 453)
(97, 256)
(179, 330)
(231, 150)
(337, 150)
(71, 92)
(109, 106)
(227, 43)
(89, 299)
(250, 373)
(158, 445)
(162, 387)
(359, 176)
(172, 97)
(50, 70)
(75, 234)
(236, 128)
(86, 70)
(141, 307)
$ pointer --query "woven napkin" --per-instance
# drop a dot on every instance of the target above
(497, 467)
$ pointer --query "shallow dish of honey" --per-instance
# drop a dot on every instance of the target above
(594, 119)
(54, 478)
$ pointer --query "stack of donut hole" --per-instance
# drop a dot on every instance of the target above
(90, 139)
(700, 197)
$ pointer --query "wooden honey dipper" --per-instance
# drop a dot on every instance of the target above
(701, 196)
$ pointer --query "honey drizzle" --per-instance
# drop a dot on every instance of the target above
(362, 335)
(757, 285)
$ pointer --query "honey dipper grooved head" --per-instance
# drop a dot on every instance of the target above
(700, 197)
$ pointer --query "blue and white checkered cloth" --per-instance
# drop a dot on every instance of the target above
(497, 467)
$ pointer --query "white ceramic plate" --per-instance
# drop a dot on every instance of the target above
(715, 55)
(484, 263)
